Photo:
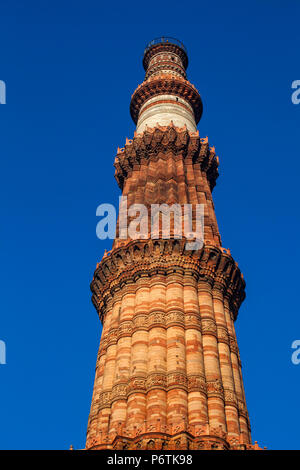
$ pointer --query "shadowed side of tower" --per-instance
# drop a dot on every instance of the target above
(168, 372)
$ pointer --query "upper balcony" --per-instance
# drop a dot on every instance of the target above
(165, 43)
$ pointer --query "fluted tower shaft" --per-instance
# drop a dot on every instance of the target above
(168, 372)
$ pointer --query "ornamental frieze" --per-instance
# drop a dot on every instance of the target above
(105, 400)
(175, 318)
(119, 392)
(177, 380)
(125, 329)
(136, 384)
(156, 319)
(177, 428)
(223, 336)
(217, 431)
(143, 322)
(215, 389)
(197, 383)
(146, 322)
(140, 321)
(142, 384)
(156, 380)
(230, 397)
(192, 320)
(208, 326)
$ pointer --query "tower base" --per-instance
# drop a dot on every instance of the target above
(198, 438)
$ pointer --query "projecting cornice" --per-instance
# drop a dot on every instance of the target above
(149, 257)
(157, 142)
(166, 84)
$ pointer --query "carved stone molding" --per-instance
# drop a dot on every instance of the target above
(136, 384)
(119, 392)
(156, 319)
(177, 380)
(223, 336)
(156, 381)
(105, 399)
(192, 320)
(124, 329)
(166, 319)
(208, 326)
(197, 383)
(215, 389)
(175, 318)
(230, 398)
(143, 384)
(141, 257)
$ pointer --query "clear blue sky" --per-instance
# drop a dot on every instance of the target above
(70, 69)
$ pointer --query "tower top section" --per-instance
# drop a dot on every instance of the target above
(166, 40)
(165, 45)
(165, 96)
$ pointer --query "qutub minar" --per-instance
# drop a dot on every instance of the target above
(168, 372)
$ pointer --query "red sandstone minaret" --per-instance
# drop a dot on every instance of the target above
(168, 373)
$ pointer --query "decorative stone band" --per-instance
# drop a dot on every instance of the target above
(215, 389)
(230, 397)
(145, 322)
(177, 380)
(119, 392)
(209, 326)
(166, 84)
(160, 140)
(148, 257)
(155, 435)
(164, 109)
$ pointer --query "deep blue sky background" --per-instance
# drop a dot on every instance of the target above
(70, 70)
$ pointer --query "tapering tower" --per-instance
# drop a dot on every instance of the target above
(168, 373)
